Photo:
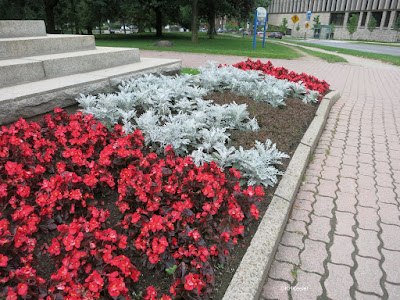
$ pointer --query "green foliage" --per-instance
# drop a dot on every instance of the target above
(230, 26)
(397, 23)
(352, 24)
(298, 27)
(333, 27)
(372, 24)
(284, 27)
(317, 23)
(171, 270)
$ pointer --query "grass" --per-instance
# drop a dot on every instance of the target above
(391, 59)
(190, 71)
(331, 58)
(222, 45)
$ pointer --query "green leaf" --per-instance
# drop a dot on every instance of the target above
(171, 270)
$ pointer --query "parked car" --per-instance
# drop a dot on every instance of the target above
(276, 35)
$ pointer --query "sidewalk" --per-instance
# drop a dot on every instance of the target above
(343, 238)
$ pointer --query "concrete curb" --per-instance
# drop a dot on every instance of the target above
(250, 276)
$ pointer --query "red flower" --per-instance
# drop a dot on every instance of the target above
(22, 289)
(3, 260)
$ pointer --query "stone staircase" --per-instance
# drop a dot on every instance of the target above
(39, 72)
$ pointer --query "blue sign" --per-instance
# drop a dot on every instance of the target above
(308, 15)
(257, 22)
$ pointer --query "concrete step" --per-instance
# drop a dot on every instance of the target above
(15, 28)
(34, 98)
(52, 43)
(35, 68)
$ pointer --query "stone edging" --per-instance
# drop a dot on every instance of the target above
(249, 278)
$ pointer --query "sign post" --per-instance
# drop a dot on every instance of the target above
(260, 19)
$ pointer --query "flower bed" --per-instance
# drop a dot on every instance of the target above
(170, 215)
(175, 215)
(311, 83)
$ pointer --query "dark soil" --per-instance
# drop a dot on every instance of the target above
(284, 126)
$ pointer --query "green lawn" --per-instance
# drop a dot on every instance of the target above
(225, 45)
(191, 71)
(328, 57)
(392, 59)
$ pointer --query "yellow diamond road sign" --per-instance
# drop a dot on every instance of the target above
(307, 25)
(295, 18)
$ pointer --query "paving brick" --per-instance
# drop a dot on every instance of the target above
(313, 256)
(292, 239)
(366, 149)
(350, 160)
(333, 161)
(368, 275)
(346, 202)
(344, 223)
(319, 228)
(383, 167)
(300, 215)
(389, 214)
(381, 157)
(287, 254)
(366, 169)
(333, 151)
(365, 158)
(296, 226)
(323, 206)
(348, 171)
(327, 188)
(396, 176)
(380, 149)
(281, 271)
(367, 243)
(340, 136)
(308, 286)
(347, 185)
(305, 195)
(303, 204)
(352, 143)
(351, 150)
(393, 291)
(312, 179)
(390, 237)
(391, 265)
(308, 187)
(384, 180)
(365, 182)
(339, 282)
(367, 218)
(341, 250)
(395, 163)
(362, 296)
(330, 173)
(367, 198)
(275, 289)
(386, 195)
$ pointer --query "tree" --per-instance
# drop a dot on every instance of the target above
(332, 25)
(195, 21)
(284, 27)
(371, 24)
(317, 23)
(397, 25)
(298, 27)
(352, 24)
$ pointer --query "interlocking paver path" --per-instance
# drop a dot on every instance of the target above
(342, 240)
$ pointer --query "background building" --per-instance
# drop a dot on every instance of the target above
(338, 12)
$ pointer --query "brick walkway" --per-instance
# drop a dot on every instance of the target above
(343, 237)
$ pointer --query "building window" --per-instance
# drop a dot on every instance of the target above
(388, 15)
(363, 19)
(337, 19)
(378, 17)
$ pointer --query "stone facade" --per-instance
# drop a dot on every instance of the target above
(339, 12)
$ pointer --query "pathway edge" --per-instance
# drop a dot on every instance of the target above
(250, 276)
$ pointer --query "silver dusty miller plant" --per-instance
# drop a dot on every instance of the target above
(172, 111)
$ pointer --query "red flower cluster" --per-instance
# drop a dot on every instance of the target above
(310, 82)
(173, 213)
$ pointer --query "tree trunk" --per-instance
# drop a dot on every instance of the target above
(158, 22)
(211, 20)
(89, 29)
(49, 6)
(195, 21)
